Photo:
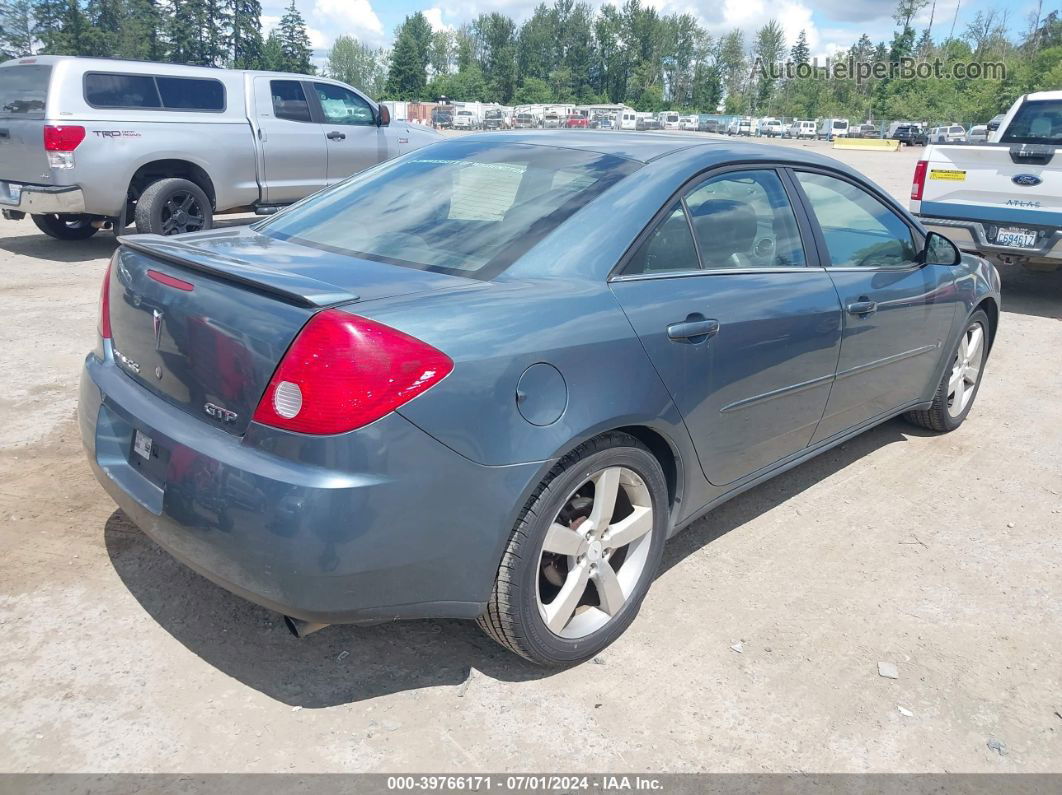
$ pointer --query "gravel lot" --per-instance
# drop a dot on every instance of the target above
(940, 554)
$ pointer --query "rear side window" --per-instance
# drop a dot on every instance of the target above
(121, 91)
(153, 92)
(183, 93)
(289, 100)
(24, 90)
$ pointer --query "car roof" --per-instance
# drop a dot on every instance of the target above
(646, 147)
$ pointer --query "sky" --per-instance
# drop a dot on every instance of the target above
(832, 25)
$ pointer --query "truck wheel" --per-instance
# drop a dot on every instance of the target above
(66, 227)
(173, 206)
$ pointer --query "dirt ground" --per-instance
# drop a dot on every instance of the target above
(940, 554)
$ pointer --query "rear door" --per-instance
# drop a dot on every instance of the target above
(742, 327)
(294, 159)
(23, 94)
(353, 139)
(897, 312)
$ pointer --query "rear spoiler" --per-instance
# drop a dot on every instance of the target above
(293, 288)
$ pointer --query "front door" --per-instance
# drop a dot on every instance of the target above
(353, 139)
(293, 160)
(897, 312)
(743, 331)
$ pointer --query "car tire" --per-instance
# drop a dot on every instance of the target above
(66, 227)
(951, 404)
(516, 614)
(173, 206)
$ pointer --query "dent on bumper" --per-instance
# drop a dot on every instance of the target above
(42, 199)
(378, 524)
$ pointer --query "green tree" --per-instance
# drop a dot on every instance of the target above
(356, 64)
(734, 70)
(407, 75)
(61, 27)
(295, 41)
(495, 37)
(183, 24)
(273, 53)
(533, 91)
(768, 48)
(801, 52)
(18, 28)
(443, 52)
(139, 33)
(243, 41)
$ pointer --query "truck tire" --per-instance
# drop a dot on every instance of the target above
(66, 227)
(173, 206)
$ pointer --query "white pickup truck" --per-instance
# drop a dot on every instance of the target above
(1001, 199)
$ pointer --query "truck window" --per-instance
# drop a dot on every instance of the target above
(289, 101)
(187, 93)
(1038, 122)
(341, 106)
(23, 90)
(121, 91)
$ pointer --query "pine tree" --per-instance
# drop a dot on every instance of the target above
(245, 33)
(272, 59)
(18, 30)
(61, 27)
(183, 27)
(295, 42)
(801, 53)
(139, 36)
(408, 72)
(214, 36)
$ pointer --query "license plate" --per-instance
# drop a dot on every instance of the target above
(1016, 238)
(142, 445)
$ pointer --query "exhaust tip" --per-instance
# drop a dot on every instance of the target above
(300, 628)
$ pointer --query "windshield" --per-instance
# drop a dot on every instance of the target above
(466, 208)
(23, 90)
(840, 125)
(1037, 122)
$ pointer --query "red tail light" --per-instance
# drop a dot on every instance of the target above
(919, 180)
(62, 139)
(343, 372)
(104, 326)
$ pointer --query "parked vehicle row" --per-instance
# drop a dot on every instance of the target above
(1003, 198)
(371, 406)
(87, 143)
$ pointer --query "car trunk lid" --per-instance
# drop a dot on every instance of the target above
(200, 323)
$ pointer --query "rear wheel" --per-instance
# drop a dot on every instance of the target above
(582, 555)
(173, 206)
(66, 227)
(958, 387)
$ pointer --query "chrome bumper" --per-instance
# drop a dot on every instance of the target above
(41, 199)
(971, 236)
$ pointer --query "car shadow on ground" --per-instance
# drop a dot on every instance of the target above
(341, 665)
(1026, 292)
(100, 245)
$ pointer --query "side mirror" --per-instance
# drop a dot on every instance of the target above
(940, 251)
(383, 116)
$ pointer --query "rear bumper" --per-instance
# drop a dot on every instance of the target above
(972, 236)
(378, 524)
(41, 199)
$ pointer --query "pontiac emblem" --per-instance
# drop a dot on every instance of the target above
(156, 323)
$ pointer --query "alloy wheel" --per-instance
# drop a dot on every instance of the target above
(594, 552)
(182, 213)
(966, 369)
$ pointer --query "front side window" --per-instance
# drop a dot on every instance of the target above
(1038, 122)
(342, 106)
(859, 230)
(743, 219)
(476, 206)
(289, 101)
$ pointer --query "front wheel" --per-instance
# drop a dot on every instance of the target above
(582, 555)
(66, 227)
(958, 388)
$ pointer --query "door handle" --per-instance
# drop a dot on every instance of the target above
(692, 330)
(336, 136)
(862, 307)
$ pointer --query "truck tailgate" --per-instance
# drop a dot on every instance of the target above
(984, 183)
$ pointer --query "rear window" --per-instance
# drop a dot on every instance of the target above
(151, 92)
(24, 90)
(840, 125)
(467, 208)
(1038, 122)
